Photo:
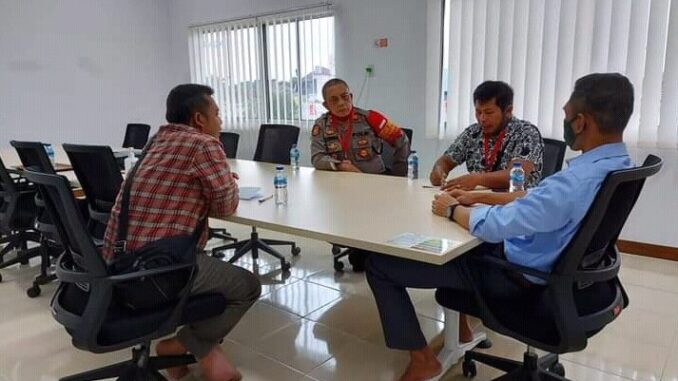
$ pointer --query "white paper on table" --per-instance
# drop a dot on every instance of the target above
(248, 193)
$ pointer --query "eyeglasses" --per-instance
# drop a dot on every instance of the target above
(336, 99)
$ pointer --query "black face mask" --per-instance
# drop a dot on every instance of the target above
(568, 132)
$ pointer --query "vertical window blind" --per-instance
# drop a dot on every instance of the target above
(267, 69)
(540, 47)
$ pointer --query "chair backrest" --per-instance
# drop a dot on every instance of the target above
(603, 222)
(33, 156)
(63, 210)
(136, 135)
(99, 176)
(9, 198)
(387, 152)
(230, 142)
(588, 267)
(7, 185)
(554, 153)
(274, 143)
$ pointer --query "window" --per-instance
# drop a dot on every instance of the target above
(540, 47)
(266, 69)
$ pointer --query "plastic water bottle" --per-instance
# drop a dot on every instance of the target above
(413, 166)
(50, 153)
(280, 183)
(294, 157)
(130, 161)
(517, 178)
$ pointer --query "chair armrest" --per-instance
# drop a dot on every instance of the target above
(146, 273)
(498, 262)
(68, 275)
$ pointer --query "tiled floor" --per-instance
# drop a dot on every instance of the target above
(318, 325)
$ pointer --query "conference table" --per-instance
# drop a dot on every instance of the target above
(371, 212)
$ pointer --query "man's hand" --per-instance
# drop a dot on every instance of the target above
(438, 175)
(466, 182)
(464, 197)
(347, 166)
(440, 203)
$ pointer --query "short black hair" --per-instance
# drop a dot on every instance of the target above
(184, 100)
(608, 97)
(500, 91)
(332, 82)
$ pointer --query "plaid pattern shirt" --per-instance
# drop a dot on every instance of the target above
(183, 178)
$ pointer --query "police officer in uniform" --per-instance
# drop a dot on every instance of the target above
(350, 139)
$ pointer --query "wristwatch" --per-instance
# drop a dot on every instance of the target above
(450, 211)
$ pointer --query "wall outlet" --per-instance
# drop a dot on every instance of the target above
(369, 69)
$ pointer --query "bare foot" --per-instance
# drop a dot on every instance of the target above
(215, 367)
(423, 365)
(465, 330)
(171, 347)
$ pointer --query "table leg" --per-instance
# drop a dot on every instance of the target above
(453, 350)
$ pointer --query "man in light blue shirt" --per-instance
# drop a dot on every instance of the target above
(531, 230)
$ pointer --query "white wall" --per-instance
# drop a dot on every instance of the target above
(79, 70)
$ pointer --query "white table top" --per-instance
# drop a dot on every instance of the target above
(351, 209)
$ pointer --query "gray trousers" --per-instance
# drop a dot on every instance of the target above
(239, 287)
(389, 276)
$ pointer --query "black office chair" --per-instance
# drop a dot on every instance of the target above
(274, 143)
(136, 135)
(86, 303)
(273, 146)
(17, 213)
(387, 153)
(338, 251)
(34, 157)
(100, 179)
(581, 295)
(554, 153)
(230, 142)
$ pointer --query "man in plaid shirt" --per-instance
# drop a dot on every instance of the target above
(183, 178)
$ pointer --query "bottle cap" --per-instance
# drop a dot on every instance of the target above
(279, 167)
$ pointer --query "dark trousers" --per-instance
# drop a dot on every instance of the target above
(389, 276)
(239, 287)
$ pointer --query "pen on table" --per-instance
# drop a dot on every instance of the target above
(429, 186)
(265, 198)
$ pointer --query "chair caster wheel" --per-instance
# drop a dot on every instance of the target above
(296, 250)
(33, 292)
(336, 250)
(468, 368)
(338, 266)
(558, 369)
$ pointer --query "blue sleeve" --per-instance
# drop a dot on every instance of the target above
(545, 208)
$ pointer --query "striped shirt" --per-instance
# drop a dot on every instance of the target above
(183, 177)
